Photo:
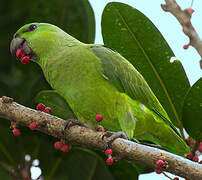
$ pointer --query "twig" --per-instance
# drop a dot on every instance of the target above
(184, 16)
(82, 136)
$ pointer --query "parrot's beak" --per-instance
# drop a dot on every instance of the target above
(15, 44)
(20, 48)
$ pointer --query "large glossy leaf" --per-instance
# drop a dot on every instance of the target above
(192, 111)
(58, 105)
(133, 35)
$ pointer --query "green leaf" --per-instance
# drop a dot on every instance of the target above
(57, 103)
(192, 111)
(133, 35)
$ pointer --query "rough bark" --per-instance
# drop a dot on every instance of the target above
(82, 136)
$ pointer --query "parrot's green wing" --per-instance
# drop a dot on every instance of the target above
(128, 80)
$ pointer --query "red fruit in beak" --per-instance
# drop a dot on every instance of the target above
(25, 59)
(19, 54)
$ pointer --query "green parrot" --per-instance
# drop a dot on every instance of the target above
(94, 80)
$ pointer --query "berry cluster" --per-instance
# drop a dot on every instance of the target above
(161, 164)
(42, 107)
(110, 160)
(60, 146)
(193, 157)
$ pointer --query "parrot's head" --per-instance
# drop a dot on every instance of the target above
(37, 41)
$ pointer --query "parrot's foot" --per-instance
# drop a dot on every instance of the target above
(99, 128)
(72, 122)
(112, 136)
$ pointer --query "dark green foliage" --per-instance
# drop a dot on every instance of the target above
(192, 111)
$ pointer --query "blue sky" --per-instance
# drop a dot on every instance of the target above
(172, 32)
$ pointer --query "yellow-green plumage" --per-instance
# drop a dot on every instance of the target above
(96, 80)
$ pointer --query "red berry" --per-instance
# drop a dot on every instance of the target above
(186, 46)
(65, 148)
(176, 178)
(99, 117)
(187, 21)
(25, 59)
(40, 107)
(190, 10)
(190, 156)
(58, 145)
(200, 162)
(47, 110)
(108, 152)
(16, 132)
(105, 129)
(195, 158)
(200, 147)
(18, 54)
(109, 161)
(160, 163)
(33, 126)
(158, 171)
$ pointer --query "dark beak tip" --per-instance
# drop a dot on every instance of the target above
(15, 43)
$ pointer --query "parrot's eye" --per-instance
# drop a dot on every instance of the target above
(32, 27)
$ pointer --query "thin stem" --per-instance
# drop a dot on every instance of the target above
(167, 175)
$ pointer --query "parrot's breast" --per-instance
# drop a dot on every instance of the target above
(80, 81)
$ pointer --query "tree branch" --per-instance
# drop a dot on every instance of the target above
(184, 16)
(82, 136)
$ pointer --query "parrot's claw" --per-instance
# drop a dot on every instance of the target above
(72, 122)
(112, 136)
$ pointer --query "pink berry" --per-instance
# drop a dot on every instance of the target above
(40, 107)
(190, 156)
(33, 126)
(176, 178)
(186, 46)
(99, 117)
(187, 21)
(190, 10)
(160, 163)
(65, 148)
(158, 171)
(25, 59)
(200, 147)
(108, 152)
(109, 161)
(47, 110)
(16, 132)
(58, 145)
(195, 158)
